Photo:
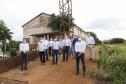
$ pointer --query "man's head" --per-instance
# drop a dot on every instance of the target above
(44, 38)
(88, 34)
(24, 40)
(79, 39)
(55, 39)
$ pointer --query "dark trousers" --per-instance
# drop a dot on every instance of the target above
(50, 51)
(55, 57)
(66, 53)
(46, 54)
(82, 58)
(42, 56)
(23, 60)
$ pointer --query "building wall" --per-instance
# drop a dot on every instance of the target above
(79, 32)
(30, 31)
(38, 25)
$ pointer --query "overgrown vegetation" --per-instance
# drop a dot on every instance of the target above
(112, 64)
(114, 41)
(54, 22)
(11, 46)
(5, 34)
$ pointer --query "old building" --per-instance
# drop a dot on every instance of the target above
(38, 27)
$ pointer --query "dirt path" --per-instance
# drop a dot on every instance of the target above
(63, 73)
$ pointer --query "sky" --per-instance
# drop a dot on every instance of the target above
(107, 18)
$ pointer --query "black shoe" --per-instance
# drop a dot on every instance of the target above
(26, 68)
(90, 59)
(21, 69)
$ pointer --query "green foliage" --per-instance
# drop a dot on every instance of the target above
(54, 22)
(125, 43)
(12, 52)
(114, 41)
(112, 61)
(12, 44)
(92, 72)
(5, 34)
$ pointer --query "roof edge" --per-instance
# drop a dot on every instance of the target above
(35, 17)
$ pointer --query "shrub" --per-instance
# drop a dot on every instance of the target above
(116, 40)
(13, 52)
(112, 62)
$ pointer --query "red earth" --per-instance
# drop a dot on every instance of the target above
(63, 73)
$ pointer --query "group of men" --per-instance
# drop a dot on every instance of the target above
(51, 48)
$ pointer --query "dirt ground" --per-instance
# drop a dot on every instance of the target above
(63, 73)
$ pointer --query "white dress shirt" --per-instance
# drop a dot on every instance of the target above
(46, 44)
(61, 44)
(56, 45)
(67, 42)
(90, 40)
(80, 46)
(41, 46)
(24, 47)
(50, 43)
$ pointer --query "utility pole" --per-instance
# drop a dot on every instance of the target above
(65, 9)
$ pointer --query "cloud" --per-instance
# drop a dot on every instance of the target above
(107, 28)
(106, 18)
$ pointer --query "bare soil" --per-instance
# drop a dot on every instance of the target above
(63, 73)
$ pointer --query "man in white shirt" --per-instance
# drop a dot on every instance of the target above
(50, 47)
(46, 42)
(66, 49)
(80, 48)
(41, 50)
(90, 44)
(55, 52)
(24, 49)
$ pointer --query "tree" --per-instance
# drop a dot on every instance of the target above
(97, 41)
(54, 22)
(116, 40)
(5, 34)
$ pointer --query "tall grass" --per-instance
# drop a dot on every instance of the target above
(112, 63)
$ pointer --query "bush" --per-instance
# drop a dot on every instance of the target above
(116, 40)
(125, 43)
(13, 52)
(112, 62)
